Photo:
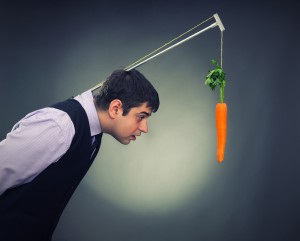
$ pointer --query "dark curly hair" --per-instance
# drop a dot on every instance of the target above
(131, 87)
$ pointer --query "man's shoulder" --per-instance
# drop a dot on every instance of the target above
(69, 104)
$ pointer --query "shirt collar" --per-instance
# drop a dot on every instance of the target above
(87, 101)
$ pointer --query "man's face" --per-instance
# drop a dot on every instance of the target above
(128, 127)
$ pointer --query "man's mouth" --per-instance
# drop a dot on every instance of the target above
(132, 137)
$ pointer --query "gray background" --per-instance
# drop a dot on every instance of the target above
(167, 186)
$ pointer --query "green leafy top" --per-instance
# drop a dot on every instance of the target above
(216, 77)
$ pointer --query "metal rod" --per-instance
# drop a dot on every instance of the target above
(215, 24)
(173, 46)
(219, 22)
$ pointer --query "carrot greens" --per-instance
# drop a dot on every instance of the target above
(216, 77)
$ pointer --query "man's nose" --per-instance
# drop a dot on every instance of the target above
(144, 126)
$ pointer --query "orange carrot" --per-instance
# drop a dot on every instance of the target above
(216, 77)
(221, 126)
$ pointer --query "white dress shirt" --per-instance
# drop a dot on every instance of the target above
(39, 139)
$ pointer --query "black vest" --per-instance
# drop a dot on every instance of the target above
(31, 211)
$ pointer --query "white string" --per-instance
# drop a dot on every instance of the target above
(221, 49)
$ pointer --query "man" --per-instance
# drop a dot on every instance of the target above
(48, 152)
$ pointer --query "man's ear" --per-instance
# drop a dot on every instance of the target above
(115, 108)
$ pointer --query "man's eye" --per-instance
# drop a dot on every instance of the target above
(141, 117)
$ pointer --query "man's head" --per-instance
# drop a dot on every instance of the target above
(125, 101)
(130, 87)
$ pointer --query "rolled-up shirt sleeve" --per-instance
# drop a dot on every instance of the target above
(35, 142)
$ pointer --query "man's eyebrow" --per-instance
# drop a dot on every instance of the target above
(145, 113)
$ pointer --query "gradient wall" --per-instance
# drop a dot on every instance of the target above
(167, 186)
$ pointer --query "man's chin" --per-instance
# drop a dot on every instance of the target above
(123, 141)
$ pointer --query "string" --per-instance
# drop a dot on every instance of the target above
(221, 49)
(168, 43)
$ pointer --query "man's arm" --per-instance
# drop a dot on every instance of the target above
(34, 143)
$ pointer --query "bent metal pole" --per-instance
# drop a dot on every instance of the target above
(215, 24)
